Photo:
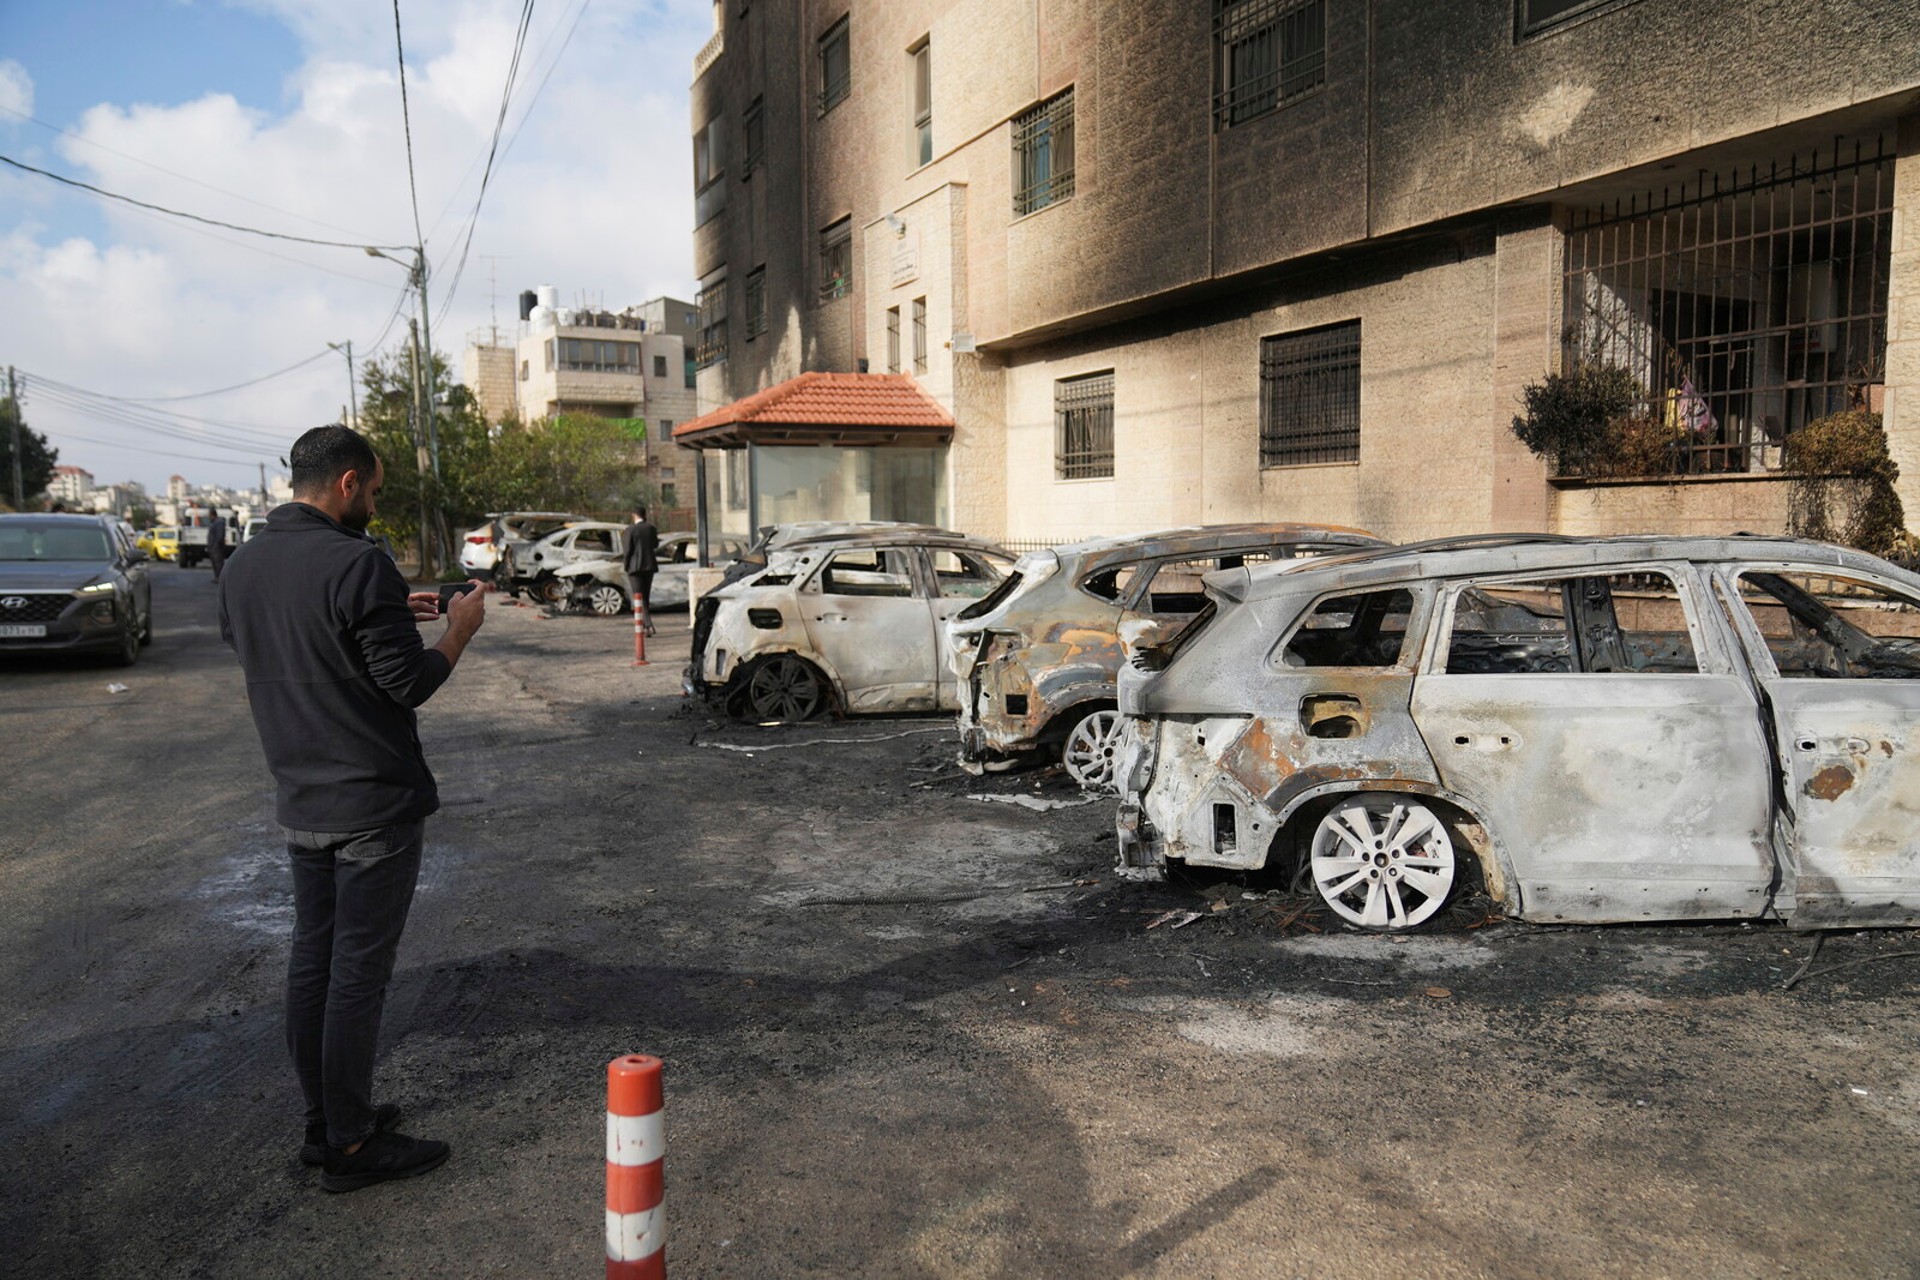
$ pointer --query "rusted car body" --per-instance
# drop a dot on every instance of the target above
(849, 619)
(1624, 729)
(1035, 662)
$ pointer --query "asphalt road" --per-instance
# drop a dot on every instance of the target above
(900, 1040)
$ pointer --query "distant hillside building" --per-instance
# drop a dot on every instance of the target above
(71, 486)
(1167, 262)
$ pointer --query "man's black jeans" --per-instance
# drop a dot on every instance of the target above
(351, 892)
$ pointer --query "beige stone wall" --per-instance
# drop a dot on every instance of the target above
(1702, 506)
(1902, 407)
(489, 372)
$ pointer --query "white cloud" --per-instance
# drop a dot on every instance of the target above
(16, 87)
(595, 197)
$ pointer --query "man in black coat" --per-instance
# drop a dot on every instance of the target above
(217, 543)
(642, 559)
(328, 636)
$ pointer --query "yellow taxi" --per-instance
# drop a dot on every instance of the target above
(161, 544)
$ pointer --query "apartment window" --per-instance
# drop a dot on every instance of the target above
(1741, 306)
(692, 363)
(588, 355)
(1266, 54)
(709, 166)
(893, 339)
(659, 366)
(922, 103)
(836, 260)
(1083, 427)
(836, 71)
(754, 137)
(713, 321)
(1043, 154)
(1310, 396)
(1538, 15)
(549, 346)
(919, 335)
(756, 302)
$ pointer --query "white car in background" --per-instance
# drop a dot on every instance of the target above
(600, 586)
(495, 546)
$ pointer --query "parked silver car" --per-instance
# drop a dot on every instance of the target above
(850, 620)
(1035, 661)
(1606, 730)
(600, 585)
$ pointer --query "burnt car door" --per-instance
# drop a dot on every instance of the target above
(1837, 656)
(956, 580)
(868, 615)
(1609, 741)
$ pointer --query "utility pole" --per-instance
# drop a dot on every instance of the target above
(353, 394)
(426, 368)
(419, 445)
(13, 401)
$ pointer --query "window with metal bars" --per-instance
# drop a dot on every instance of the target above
(1310, 396)
(922, 103)
(1266, 54)
(756, 300)
(712, 301)
(836, 68)
(753, 127)
(919, 335)
(1083, 427)
(836, 260)
(1043, 154)
(1743, 306)
(893, 339)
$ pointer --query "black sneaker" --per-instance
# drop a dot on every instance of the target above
(382, 1158)
(314, 1150)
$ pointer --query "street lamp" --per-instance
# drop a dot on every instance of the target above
(417, 274)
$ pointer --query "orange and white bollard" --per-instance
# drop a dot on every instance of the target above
(639, 633)
(636, 1141)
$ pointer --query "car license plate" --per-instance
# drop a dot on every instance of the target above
(21, 632)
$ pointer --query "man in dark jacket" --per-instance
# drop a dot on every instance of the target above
(329, 639)
(642, 559)
(217, 543)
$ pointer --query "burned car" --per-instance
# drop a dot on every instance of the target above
(851, 620)
(1035, 662)
(1600, 730)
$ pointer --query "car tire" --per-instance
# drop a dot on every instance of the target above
(129, 651)
(784, 689)
(146, 629)
(607, 600)
(549, 590)
(1374, 850)
(1090, 752)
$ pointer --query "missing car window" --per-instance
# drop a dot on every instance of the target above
(1364, 630)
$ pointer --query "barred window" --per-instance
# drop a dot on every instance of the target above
(1538, 15)
(712, 302)
(919, 335)
(754, 143)
(1043, 154)
(893, 339)
(756, 302)
(1266, 54)
(1083, 427)
(836, 69)
(836, 260)
(1310, 396)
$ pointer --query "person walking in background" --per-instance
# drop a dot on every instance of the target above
(642, 560)
(217, 543)
(328, 637)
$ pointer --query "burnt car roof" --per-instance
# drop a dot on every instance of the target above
(916, 535)
(1199, 539)
(1529, 552)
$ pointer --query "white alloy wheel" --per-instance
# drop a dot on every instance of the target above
(1383, 861)
(1091, 752)
(607, 600)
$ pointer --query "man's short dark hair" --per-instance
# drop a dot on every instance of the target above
(324, 454)
(639, 513)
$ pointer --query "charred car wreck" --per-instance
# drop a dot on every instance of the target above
(1035, 662)
(851, 620)
(1626, 729)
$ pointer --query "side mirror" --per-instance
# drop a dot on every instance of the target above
(137, 556)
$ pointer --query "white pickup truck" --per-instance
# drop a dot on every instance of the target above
(193, 532)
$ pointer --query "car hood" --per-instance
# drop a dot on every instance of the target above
(50, 575)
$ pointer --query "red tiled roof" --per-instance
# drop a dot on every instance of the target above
(867, 404)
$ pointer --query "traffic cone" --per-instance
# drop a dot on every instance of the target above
(636, 1191)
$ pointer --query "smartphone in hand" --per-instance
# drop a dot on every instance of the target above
(448, 590)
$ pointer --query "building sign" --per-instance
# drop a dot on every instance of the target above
(906, 258)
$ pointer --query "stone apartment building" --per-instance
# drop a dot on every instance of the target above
(635, 365)
(1164, 262)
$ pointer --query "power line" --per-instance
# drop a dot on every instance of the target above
(406, 121)
(220, 391)
(500, 122)
(163, 453)
(194, 217)
(172, 173)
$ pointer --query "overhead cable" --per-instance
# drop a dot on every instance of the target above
(500, 122)
(194, 217)
(220, 391)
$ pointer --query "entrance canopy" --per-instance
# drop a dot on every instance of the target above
(825, 409)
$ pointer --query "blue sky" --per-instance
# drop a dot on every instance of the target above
(285, 115)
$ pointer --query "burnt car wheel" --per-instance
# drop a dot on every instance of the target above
(786, 689)
(607, 600)
(1383, 861)
(1092, 749)
(549, 590)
